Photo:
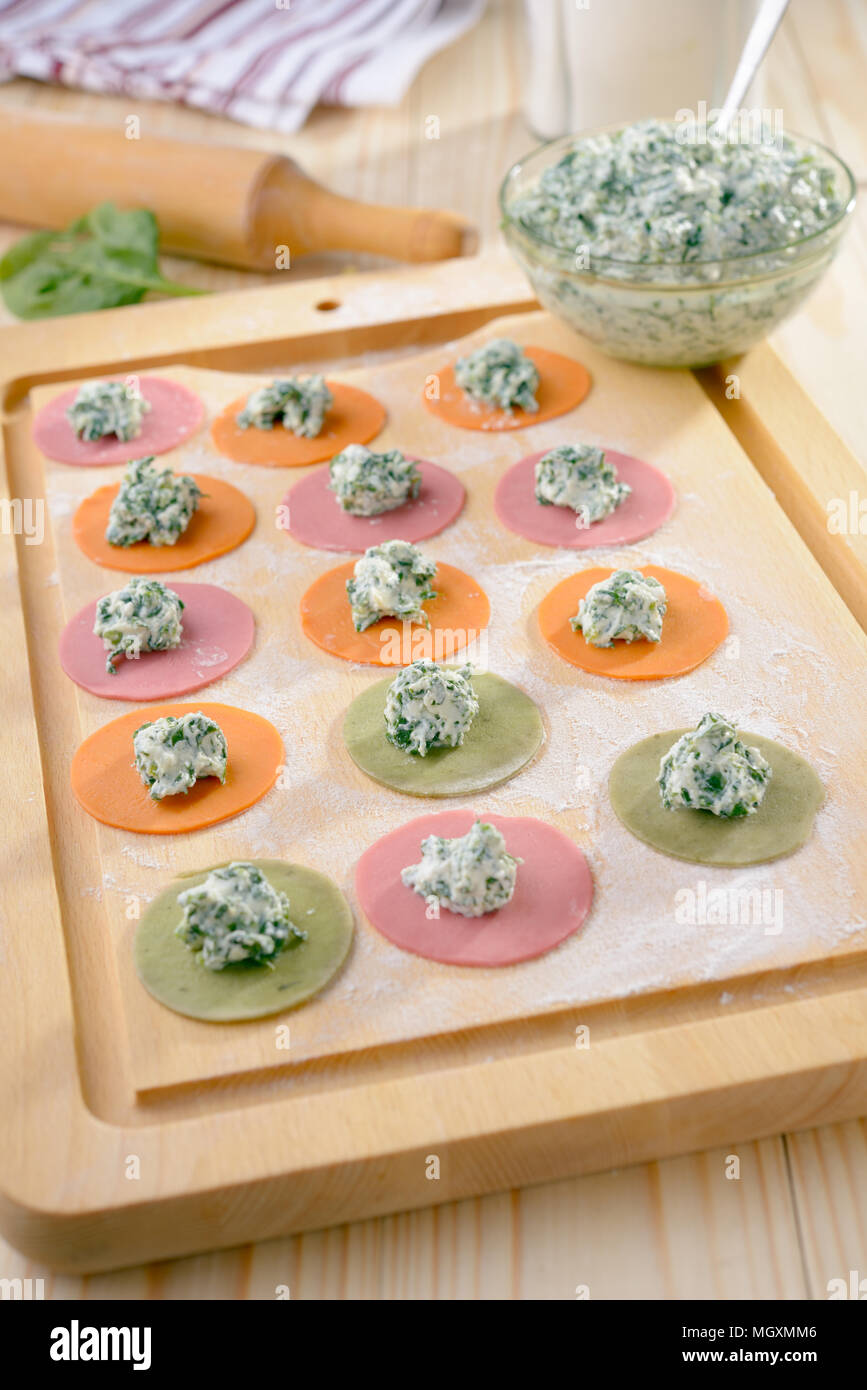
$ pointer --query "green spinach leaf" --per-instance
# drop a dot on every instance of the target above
(106, 258)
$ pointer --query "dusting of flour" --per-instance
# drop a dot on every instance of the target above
(774, 676)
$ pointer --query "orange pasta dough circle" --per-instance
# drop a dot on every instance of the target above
(563, 384)
(107, 785)
(694, 625)
(354, 418)
(458, 614)
(223, 519)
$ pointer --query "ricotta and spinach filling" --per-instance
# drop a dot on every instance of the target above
(172, 754)
(299, 404)
(153, 506)
(625, 607)
(470, 875)
(143, 616)
(236, 915)
(579, 477)
(499, 375)
(391, 580)
(710, 769)
(645, 194)
(673, 250)
(101, 408)
(429, 706)
(368, 484)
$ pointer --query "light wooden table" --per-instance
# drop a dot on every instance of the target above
(797, 1215)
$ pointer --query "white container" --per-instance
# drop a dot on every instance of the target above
(595, 63)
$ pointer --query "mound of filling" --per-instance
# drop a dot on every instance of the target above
(236, 915)
(299, 404)
(101, 408)
(579, 478)
(499, 375)
(391, 580)
(143, 616)
(429, 706)
(153, 506)
(625, 607)
(710, 769)
(367, 484)
(470, 875)
(646, 194)
(172, 754)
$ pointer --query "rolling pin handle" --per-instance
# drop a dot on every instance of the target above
(292, 209)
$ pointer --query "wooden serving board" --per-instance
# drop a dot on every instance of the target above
(697, 1032)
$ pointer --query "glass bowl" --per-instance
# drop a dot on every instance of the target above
(671, 314)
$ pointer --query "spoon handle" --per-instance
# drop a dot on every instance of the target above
(764, 27)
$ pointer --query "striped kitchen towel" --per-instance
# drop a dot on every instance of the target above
(265, 63)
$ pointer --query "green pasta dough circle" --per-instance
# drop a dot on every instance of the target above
(781, 825)
(505, 734)
(175, 975)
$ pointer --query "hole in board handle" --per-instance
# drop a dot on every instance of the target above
(325, 306)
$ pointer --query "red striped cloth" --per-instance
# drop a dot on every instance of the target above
(265, 63)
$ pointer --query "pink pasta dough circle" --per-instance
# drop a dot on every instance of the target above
(218, 631)
(553, 893)
(650, 503)
(315, 517)
(174, 415)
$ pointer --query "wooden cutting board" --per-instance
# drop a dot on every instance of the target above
(699, 1033)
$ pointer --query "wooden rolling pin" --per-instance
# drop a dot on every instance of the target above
(213, 202)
